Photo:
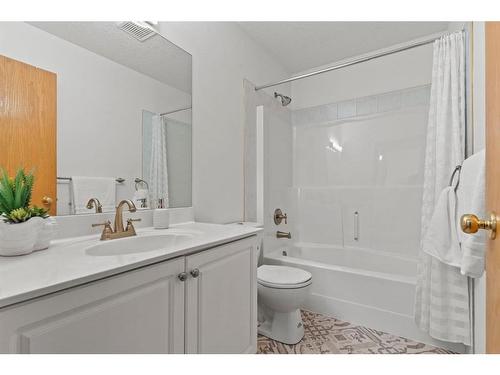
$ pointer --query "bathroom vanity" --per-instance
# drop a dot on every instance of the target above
(188, 289)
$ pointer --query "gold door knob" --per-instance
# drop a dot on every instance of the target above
(471, 224)
(47, 202)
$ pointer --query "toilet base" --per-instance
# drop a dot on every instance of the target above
(283, 327)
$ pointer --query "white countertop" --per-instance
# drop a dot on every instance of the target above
(66, 263)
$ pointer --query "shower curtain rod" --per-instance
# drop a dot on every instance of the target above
(176, 110)
(355, 61)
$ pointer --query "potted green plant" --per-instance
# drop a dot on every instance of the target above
(23, 228)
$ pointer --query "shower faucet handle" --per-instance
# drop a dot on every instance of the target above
(279, 216)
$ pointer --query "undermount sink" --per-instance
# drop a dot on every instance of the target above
(139, 244)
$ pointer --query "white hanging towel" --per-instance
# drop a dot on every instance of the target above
(441, 239)
(471, 195)
(84, 188)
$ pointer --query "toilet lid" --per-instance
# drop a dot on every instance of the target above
(282, 276)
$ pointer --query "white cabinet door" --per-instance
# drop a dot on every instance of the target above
(140, 311)
(221, 302)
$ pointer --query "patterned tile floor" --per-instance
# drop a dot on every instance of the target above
(325, 335)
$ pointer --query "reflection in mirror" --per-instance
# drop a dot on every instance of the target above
(92, 84)
(166, 145)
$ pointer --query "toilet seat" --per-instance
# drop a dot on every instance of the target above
(283, 277)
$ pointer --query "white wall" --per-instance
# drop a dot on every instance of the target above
(479, 90)
(223, 56)
(389, 73)
(479, 122)
(99, 106)
(277, 172)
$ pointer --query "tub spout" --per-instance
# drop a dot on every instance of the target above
(280, 234)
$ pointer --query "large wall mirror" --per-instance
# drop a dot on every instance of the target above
(100, 110)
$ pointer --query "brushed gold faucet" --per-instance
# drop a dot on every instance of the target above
(280, 234)
(109, 233)
(119, 214)
(94, 203)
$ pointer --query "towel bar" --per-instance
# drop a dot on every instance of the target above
(458, 170)
(118, 179)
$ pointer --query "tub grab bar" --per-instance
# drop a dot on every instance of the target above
(356, 226)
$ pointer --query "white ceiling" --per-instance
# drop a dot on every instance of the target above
(156, 57)
(300, 46)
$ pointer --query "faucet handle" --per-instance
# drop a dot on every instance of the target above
(106, 224)
(130, 227)
(107, 231)
(279, 216)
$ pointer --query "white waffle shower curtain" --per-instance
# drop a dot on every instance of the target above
(158, 173)
(442, 294)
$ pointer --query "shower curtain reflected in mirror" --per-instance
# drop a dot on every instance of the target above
(166, 157)
(158, 170)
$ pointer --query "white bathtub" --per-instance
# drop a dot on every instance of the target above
(362, 286)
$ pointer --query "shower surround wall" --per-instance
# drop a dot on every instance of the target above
(382, 85)
(358, 172)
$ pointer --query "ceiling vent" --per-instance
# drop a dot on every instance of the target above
(137, 29)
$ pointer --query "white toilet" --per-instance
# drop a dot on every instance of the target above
(281, 291)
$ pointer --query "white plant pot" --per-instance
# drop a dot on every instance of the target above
(20, 239)
(47, 232)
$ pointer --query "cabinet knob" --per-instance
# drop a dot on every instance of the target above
(195, 273)
(182, 276)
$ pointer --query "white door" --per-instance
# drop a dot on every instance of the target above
(221, 299)
(140, 311)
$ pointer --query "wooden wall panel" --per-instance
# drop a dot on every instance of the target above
(28, 130)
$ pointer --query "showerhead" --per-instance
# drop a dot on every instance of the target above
(285, 100)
